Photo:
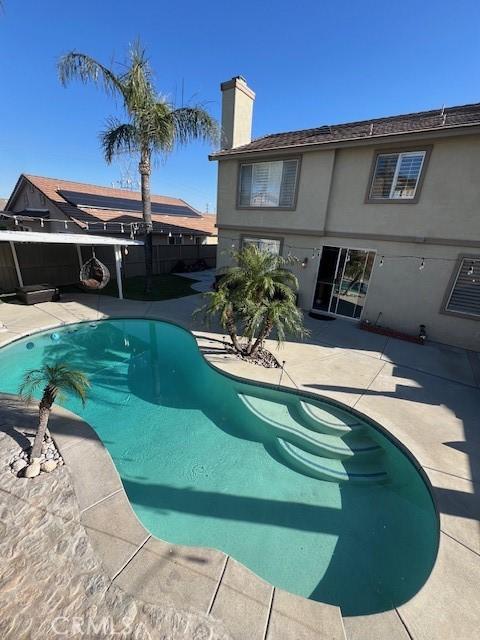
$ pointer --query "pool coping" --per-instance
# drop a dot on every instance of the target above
(273, 610)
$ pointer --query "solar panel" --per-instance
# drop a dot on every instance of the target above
(78, 198)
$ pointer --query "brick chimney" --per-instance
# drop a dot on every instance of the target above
(237, 112)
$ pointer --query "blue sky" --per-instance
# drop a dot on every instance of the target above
(310, 63)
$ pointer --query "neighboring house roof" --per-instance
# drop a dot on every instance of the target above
(3, 202)
(437, 119)
(91, 205)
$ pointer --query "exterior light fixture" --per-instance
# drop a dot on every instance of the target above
(470, 271)
(304, 263)
(380, 264)
(422, 265)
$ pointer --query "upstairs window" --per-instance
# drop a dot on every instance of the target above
(268, 184)
(464, 298)
(396, 175)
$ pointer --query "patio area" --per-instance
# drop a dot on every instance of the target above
(427, 397)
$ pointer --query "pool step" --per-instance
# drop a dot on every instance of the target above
(357, 471)
(329, 419)
(279, 418)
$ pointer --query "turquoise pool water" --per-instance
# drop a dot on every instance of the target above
(202, 461)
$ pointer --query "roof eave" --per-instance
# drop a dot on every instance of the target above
(349, 142)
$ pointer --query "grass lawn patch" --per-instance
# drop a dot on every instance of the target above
(165, 286)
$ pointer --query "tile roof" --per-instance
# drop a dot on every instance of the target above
(437, 119)
(188, 220)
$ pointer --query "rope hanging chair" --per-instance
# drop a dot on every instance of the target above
(94, 274)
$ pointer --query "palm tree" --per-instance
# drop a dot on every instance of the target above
(153, 124)
(56, 380)
(220, 303)
(259, 274)
(258, 294)
(281, 315)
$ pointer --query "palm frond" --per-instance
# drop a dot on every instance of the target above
(137, 80)
(155, 125)
(194, 123)
(118, 138)
(58, 378)
(79, 66)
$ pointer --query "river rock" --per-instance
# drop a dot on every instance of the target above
(32, 470)
(49, 466)
(18, 465)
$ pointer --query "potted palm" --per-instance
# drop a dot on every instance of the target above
(57, 380)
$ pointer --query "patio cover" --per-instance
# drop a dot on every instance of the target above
(77, 239)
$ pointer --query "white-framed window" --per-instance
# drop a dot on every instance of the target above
(464, 298)
(396, 175)
(268, 184)
(272, 245)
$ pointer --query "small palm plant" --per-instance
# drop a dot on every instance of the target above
(57, 380)
(153, 125)
(281, 315)
(257, 294)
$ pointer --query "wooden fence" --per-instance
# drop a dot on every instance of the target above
(58, 264)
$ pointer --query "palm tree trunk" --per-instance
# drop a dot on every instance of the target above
(232, 332)
(263, 335)
(145, 171)
(44, 414)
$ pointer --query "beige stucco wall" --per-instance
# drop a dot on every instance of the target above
(331, 210)
(313, 189)
(448, 203)
(404, 295)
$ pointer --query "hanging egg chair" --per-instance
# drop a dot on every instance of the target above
(94, 274)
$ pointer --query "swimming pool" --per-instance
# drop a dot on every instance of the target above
(312, 498)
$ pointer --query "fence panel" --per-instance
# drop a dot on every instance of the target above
(48, 263)
(8, 275)
(58, 264)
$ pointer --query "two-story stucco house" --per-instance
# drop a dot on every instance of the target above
(383, 215)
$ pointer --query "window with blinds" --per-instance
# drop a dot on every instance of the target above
(271, 245)
(268, 184)
(396, 175)
(465, 294)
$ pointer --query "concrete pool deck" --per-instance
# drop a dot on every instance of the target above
(427, 397)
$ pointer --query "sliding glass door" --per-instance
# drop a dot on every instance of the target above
(342, 281)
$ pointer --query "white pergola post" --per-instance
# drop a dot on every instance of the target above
(17, 266)
(79, 254)
(118, 269)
